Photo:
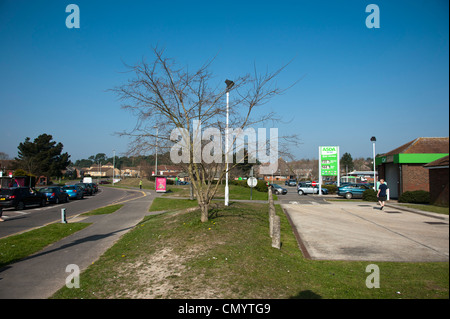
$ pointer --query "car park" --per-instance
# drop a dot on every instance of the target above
(354, 190)
(277, 189)
(74, 191)
(304, 188)
(55, 194)
(20, 197)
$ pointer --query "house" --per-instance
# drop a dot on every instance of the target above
(438, 177)
(403, 168)
(281, 174)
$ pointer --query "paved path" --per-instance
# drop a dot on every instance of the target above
(360, 231)
(42, 274)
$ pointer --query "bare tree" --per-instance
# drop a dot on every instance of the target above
(170, 99)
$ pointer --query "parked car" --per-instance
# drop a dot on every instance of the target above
(55, 194)
(87, 190)
(291, 182)
(94, 187)
(277, 189)
(354, 190)
(74, 191)
(20, 197)
(304, 188)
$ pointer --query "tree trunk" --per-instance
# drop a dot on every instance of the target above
(204, 209)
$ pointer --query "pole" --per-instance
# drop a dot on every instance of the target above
(374, 169)
(320, 171)
(338, 168)
(63, 216)
(114, 165)
(226, 156)
(156, 154)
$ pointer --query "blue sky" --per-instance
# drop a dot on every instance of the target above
(357, 82)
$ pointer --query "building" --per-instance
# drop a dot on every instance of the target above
(403, 168)
(438, 176)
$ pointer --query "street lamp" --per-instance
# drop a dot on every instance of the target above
(114, 165)
(373, 139)
(156, 153)
(229, 84)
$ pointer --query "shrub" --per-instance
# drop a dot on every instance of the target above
(331, 188)
(370, 195)
(415, 197)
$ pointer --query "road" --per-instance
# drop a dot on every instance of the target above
(32, 217)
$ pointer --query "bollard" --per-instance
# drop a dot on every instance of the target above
(63, 216)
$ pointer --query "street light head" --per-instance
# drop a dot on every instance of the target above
(229, 84)
(373, 139)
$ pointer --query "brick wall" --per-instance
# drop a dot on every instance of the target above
(415, 177)
(439, 186)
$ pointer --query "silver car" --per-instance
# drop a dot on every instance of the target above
(304, 188)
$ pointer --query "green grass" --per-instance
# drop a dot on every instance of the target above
(17, 247)
(236, 192)
(428, 208)
(103, 210)
(174, 255)
(168, 204)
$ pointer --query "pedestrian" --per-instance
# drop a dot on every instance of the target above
(382, 193)
(140, 184)
(1, 213)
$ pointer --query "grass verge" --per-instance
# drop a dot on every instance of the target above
(17, 247)
(174, 255)
(103, 210)
(428, 208)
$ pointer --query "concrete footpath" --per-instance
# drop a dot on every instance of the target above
(42, 274)
(361, 231)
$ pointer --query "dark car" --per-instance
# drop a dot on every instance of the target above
(291, 182)
(87, 189)
(20, 197)
(55, 194)
(353, 190)
(74, 191)
(94, 187)
(277, 189)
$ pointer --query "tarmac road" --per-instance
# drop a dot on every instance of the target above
(17, 221)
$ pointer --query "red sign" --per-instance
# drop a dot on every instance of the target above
(314, 184)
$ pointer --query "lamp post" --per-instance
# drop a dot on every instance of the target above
(373, 139)
(227, 194)
(156, 153)
(114, 165)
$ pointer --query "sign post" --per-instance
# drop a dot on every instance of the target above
(328, 163)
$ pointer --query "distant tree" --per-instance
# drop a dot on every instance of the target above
(347, 162)
(42, 157)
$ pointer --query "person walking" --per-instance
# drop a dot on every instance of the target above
(382, 193)
(140, 184)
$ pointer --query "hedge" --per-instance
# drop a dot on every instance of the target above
(415, 197)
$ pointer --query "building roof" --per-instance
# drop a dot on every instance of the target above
(439, 163)
(423, 145)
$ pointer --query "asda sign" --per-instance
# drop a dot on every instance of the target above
(329, 160)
